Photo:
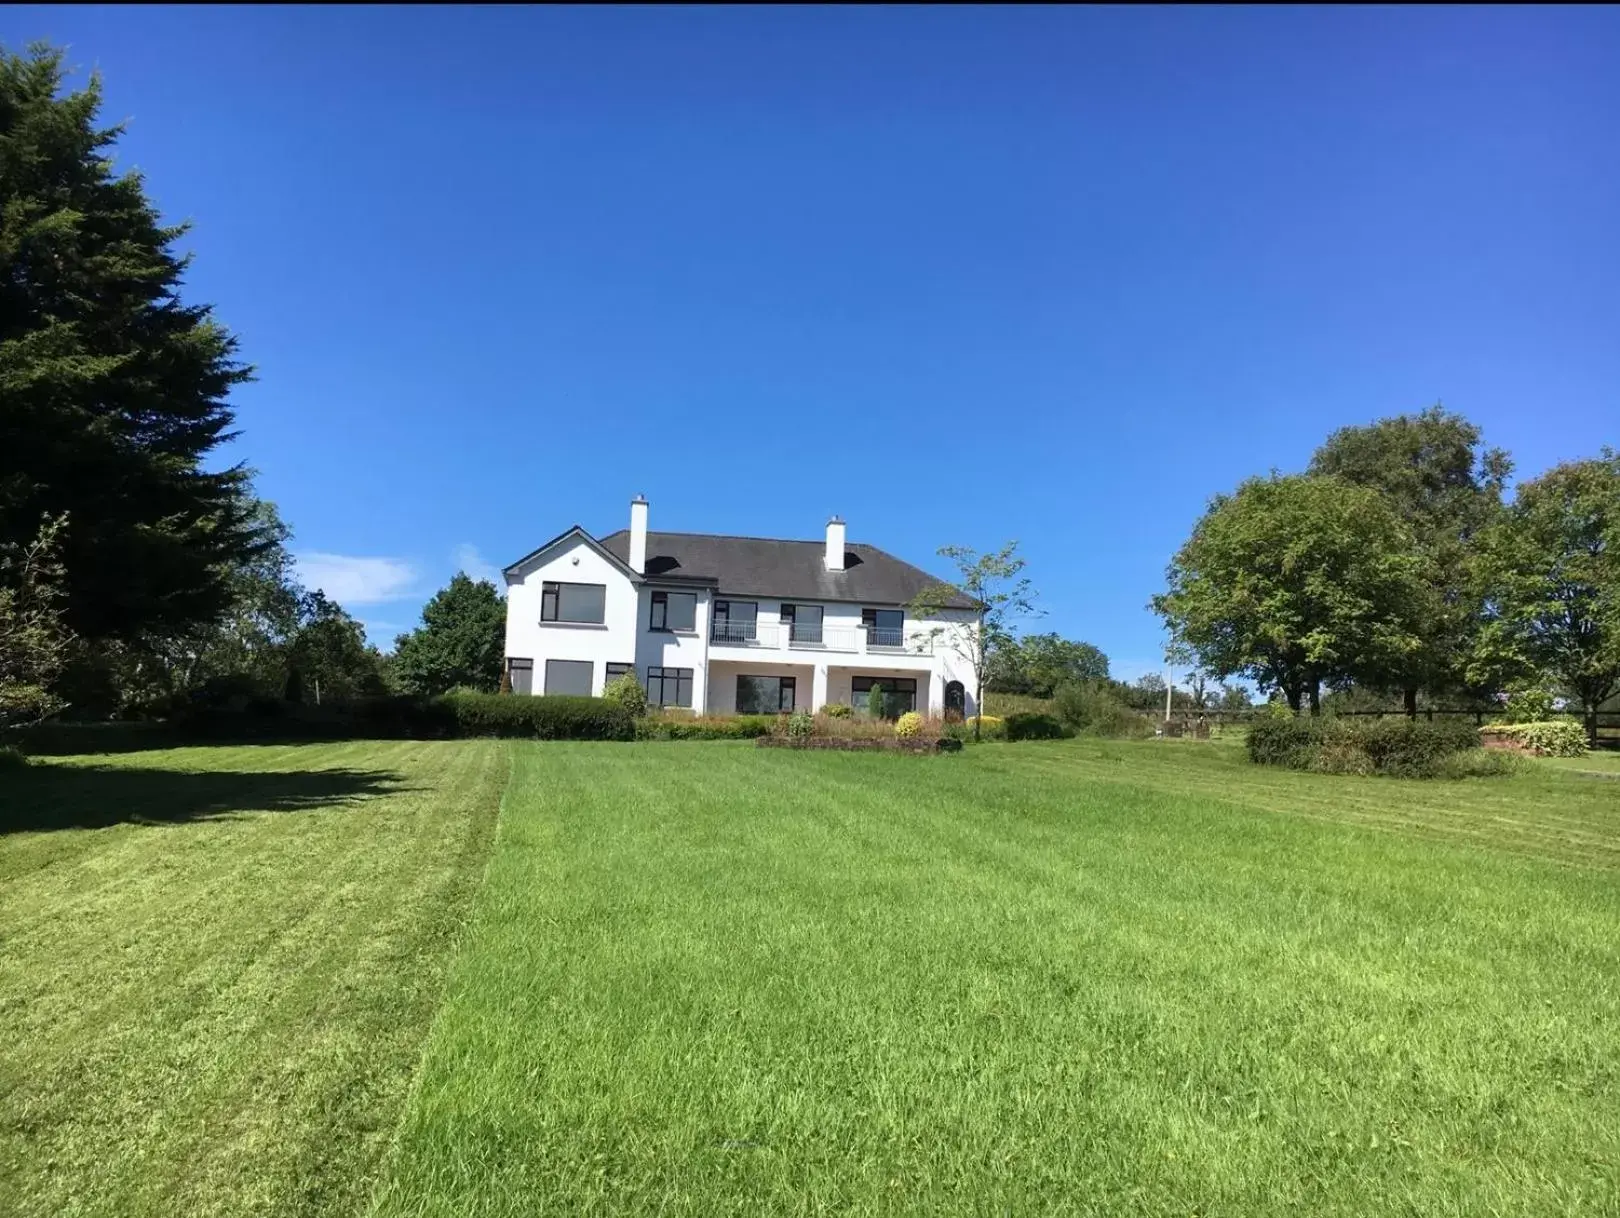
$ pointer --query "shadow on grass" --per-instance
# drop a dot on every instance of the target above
(45, 797)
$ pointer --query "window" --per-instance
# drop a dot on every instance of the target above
(568, 677)
(900, 693)
(521, 673)
(669, 686)
(764, 695)
(735, 621)
(572, 602)
(673, 611)
(615, 671)
(803, 623)
(884, 627)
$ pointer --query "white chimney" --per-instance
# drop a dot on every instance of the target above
(835, 544)
(638, 534)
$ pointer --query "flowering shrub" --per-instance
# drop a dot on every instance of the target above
(908, 725)
(838, 710)
(801, 723)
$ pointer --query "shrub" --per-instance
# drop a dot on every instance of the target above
(876, 702)
(908, 725)
(801, 723)
(1092, 711)
(992, 727)
(1529, 704)
(1402, 747)
(12, 758)
(551, 717)
(1030, 725)
(838, 710)
(1554, 738)
(705, 727)
(626, 690)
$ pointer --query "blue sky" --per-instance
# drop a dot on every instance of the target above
(960, 275)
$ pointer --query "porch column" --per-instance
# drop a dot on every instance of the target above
(818, 688)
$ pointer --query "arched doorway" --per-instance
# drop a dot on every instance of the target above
(955, 700)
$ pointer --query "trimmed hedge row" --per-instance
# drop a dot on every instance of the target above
(1400, 747)
(691, 727)
(1550, 738)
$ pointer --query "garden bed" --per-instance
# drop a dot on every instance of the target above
(854, 745)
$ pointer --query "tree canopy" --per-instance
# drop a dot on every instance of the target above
(1434, 471)
(461, 642)
(112, 389)
(1039, 664)
(1552, 570)
(1295, 582)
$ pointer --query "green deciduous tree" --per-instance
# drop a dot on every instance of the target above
(112, 389)
(1038, 664)
(34, 637)
(328, 654)
(1435, 472)
(1552, 568)
(461, 642)
(1295, 582)
(995, 583)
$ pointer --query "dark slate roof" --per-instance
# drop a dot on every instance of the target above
(787, 570)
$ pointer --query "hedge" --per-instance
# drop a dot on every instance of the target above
(549, 717)
(1400, 747)
(1551, 738)
(1033, 725)
(692, 727)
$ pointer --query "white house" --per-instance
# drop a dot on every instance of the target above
(730, 624)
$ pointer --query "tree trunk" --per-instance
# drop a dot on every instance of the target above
(1592, 725)
(1316, 698)
(1292, 693)
(1410, 695)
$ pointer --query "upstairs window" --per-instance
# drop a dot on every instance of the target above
(673, 611)
(585, 603)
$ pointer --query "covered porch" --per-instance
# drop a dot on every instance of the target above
(906, 688)
(759, 687)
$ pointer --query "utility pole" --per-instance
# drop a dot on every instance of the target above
(1169, 689)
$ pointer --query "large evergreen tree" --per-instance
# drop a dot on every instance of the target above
(112, 390)
(1436, 473)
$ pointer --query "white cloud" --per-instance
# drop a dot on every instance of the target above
(351, 581)
(469, 559)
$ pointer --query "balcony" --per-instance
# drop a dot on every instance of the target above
(862, 640)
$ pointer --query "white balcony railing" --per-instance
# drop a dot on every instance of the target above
(771, 636)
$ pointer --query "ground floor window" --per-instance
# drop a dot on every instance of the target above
(765, 695)
(669, 686)
(615, 671)
(568, 677)
(521, 673)
(899, 695)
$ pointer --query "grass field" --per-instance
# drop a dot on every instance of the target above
(213, 1000)
(1078, 977)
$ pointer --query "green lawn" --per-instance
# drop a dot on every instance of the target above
(706, 979)
(214, 1002)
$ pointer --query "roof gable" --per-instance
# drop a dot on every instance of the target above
(572, 533)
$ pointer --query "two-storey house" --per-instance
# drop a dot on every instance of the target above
(732, 624)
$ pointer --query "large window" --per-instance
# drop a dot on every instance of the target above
(899, 694)
(568, 677)
(669, 686)
(884, 627)
(522, 675)
(803, 623)
(673, 611)
(735, 622)
(764, 695)
(572, 602)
